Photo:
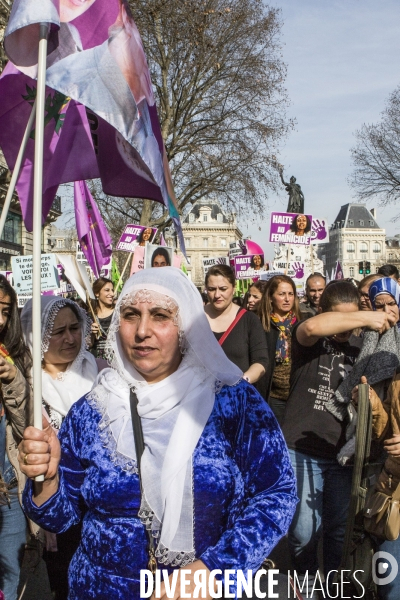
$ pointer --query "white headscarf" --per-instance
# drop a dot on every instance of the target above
(173, 411)
(61, 393)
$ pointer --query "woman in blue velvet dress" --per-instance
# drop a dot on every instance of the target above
(218, 487)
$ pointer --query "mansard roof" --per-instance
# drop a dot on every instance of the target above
(355, 216)
(213, 204)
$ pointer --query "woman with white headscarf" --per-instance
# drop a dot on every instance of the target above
(68, 369)
(68, 373)
(218, 491)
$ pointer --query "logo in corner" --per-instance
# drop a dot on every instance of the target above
(384, 568)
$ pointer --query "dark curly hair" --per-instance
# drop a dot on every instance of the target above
(293, 226)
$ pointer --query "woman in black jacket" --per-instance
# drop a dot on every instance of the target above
(238, 331)
(279, 312)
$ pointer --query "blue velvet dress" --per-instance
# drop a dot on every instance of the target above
(244, 496)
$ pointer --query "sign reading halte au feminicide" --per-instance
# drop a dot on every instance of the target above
(23, 274)
(290, 228)
(213, 261)
(134, 236)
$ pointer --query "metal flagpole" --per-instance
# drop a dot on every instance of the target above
(37, 231)
(17, 168)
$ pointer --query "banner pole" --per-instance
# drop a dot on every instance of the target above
(123, 272)
(37, 231)
(17, 168)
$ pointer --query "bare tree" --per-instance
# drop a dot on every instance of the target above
(219, 81)
(5, 8)
(376, 156)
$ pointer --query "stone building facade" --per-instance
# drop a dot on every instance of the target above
(208, 231)
(353, 237)
(393, 250)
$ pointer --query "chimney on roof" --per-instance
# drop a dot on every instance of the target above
(374, 213)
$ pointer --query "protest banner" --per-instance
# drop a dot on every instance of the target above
(290, 228)
(319, 231)
(267, 275)
(138, 260)
(294, 269)
(134, 236)
(22, 268)
(214, 260)
(22, 300)
(237, 248)
(158, 256)
(247, 267)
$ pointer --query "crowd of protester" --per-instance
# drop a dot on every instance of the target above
(261, 378)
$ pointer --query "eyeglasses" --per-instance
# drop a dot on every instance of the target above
(364, 295)
(382, 306)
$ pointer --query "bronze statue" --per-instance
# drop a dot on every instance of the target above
(296, 196)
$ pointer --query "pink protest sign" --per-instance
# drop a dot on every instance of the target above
(138, 260)
(134, 236)
(290, 228)
(249, 266)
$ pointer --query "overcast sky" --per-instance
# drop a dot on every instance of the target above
(343, 62)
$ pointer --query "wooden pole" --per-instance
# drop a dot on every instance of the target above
(123, 272)
(95, 317)
(37, 232)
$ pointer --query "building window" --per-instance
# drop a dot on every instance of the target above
(363, 247)
(205, 218)
(351, 271)
(191, 218)
(187, 242)
(60, 243)
(371, 223)
(390, 256)
(361, 223)
(219, 217)
(223, 242)
(12, 229)
(351, 247)
(377, 247)
(189, 260)
(351, 223)
(205, 242)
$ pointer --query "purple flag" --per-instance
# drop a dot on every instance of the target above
(100, 37)
(92, 233)
(338, 271)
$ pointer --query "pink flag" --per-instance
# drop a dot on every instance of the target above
(92, 232)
